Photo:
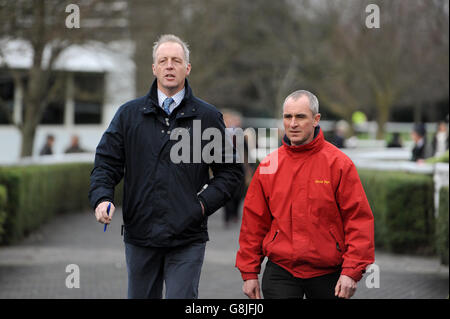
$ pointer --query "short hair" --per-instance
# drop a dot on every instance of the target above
(420, 129)
(171, 38)
(313, 101)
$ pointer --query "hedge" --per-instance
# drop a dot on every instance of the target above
(403, 208)
(402, 204)
(442, 232)
(37, 193)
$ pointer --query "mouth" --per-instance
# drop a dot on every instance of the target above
(169, 77)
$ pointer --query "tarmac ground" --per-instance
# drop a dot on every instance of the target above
(43, 265)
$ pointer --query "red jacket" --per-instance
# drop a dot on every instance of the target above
(311, 216)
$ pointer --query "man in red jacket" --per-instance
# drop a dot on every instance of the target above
(310, 217)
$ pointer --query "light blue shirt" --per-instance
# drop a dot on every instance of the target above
(177, 98)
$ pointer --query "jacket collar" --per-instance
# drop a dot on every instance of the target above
(151, 100)
(314, 145)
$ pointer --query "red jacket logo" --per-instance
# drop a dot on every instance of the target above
(321, 181)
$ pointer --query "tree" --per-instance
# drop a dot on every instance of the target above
(148, 20)
(41, 26)
(405, 60)
(326, 68)
(240, 49)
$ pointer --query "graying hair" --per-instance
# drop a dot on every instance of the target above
(313, 101)
(171, 38)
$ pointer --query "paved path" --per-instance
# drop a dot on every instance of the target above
(36, 267)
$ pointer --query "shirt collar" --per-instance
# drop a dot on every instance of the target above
(421, 142)
(177, 98)
(315, 145)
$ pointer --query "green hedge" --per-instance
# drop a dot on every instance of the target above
(442, 232)
(403, 208)
(402, 203)
(37, 193)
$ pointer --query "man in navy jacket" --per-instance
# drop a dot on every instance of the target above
(166, 202)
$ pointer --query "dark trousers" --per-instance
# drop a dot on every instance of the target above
(179, 268)
(278, 283)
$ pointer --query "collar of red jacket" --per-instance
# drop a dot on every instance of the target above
(314, 145)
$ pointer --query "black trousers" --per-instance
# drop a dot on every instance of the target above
(278, 283)
(179, 268)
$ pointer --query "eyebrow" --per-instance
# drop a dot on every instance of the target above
(170, 57)
(296, 114)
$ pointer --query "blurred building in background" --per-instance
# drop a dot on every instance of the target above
(96, 79)
(247, 56)
(83, 74)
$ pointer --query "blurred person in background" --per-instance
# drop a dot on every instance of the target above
(396, 141)
(340, 130)
(418, 135)
(440, 139)
(233, 121)
(166, 204)
(310, 217)
(74, 145)
(47, 149)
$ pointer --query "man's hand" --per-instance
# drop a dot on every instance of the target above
(345, 287)
(251, 289)
(101, 212)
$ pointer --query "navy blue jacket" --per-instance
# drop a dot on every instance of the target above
(161, 205)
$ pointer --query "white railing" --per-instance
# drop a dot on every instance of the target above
(440, 178)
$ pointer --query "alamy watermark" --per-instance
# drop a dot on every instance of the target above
(373, 276)
(73, 19)
(73, 279)
(373, 18)
(372, 279)
(222, 149)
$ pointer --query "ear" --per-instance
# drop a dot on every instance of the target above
(153, 68)
(316, 119)
(188, 69)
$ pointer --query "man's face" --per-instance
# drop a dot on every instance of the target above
(298, 120)
(170, 68)
(415, 137)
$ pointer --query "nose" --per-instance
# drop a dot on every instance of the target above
(169, 64)
(293, 122)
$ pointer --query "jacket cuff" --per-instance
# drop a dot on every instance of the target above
(353, 273)
(249, 275)
(101, 200)
(207, 204)
(99, 195)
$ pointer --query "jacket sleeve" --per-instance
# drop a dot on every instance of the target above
(228, 173)
(109, 164)
(358, 224)
(256, 221)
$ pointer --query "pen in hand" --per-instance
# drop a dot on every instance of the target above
(107, 211)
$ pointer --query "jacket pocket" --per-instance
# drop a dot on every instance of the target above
(198, 220)
(339, 244)
(272, 241)
(274, 236)
(203, 216)
(268, 241)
